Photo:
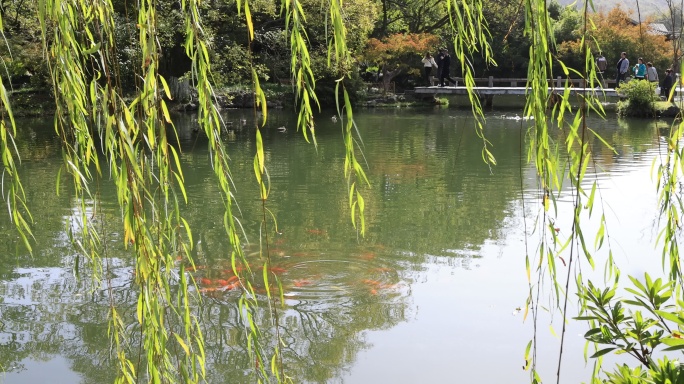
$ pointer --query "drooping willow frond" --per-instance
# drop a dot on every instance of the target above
(555, 160)
(470, 33)
(144, 167)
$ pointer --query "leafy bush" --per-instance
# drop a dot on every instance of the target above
(647, 323)
(233, 67)
(640, 96)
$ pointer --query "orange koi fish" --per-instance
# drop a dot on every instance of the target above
(205, 281)
(232, 286)
(302, 283)
(195, 268)
(278, 270)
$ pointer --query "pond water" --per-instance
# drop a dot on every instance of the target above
(431, 294)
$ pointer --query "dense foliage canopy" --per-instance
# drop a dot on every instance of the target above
(368, 22)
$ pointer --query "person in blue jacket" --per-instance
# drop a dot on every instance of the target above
(640, 70)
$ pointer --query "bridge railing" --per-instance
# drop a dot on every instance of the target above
(558, 82)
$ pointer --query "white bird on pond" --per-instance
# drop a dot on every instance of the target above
(334, 119)
(282, 129)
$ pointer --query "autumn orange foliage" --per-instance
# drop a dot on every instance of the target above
(394, 49)
(616, 31)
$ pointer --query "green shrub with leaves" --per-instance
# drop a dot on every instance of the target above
(650, 321)
(640, 96)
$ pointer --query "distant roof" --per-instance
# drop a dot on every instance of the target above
(659, 29)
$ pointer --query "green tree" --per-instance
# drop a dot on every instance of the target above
(506, 24)
(411, 16)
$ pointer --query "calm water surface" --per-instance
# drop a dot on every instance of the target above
(429, 295)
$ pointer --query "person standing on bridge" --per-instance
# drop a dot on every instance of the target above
(444, 67)
(428, 63)
(652, 73)
(668, 82)
(622, 68)
(601, 63)
(640, 70)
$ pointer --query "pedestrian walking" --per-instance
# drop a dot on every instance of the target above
(668, 82)
(640, 70)
(428, 64)
(601, 63)
(651, 73)
(622, 68)
(444, 67)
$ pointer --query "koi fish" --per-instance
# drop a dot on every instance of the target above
(368, 255)
(232, 286)
(222, 282)
(302, 283)
(238, 269)
(262, 290)
(278, 270)
(205, 281)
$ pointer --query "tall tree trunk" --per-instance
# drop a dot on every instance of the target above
(385, 9)
(387, 77)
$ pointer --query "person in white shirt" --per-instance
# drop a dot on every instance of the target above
(428, 63)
